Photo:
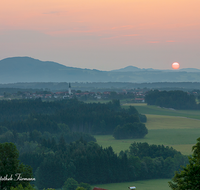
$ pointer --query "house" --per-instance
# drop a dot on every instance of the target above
(132, 187)
(98, 188)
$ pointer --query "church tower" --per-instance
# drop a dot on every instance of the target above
(69, 91)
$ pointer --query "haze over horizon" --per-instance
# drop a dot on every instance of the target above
(128, 68)
(103, 34)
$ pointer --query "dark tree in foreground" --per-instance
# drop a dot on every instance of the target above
(29, 187)
(70, 184)
(11, 168)
(189, 177)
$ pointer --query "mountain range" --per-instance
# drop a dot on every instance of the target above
(26, 69)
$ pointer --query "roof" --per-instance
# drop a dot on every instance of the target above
(98, 188)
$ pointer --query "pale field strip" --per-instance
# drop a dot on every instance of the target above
(186, 138)
(171, 122)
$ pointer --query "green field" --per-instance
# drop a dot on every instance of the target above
(157, 184)
(176, 131)
(155, 110)
(180, 133)
(176, 128)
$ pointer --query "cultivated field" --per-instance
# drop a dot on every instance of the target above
(155, 110)
(157, 184)
(176, 131)
(176, 128)
(169, 127)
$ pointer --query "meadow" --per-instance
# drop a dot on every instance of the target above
(156, 184)
(175, 128)
(177, 131)
(155, 110)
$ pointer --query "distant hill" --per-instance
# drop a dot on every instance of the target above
(127, 69)
(190, 70)
(26, 69)
(132, 69)
(135, 69)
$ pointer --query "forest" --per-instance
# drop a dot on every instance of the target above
(53, 163)
(172, 99)
(20, 116)
(55, 139)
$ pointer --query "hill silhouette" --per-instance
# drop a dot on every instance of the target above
(26, 69)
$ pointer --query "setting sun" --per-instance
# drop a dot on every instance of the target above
(175, 65)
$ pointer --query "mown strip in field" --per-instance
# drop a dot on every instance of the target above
(159, 184)
(155, 110)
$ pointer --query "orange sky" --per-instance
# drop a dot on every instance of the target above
(102, 34)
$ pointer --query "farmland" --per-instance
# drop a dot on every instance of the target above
(176, 128)
(180, 133)
(161, 184)
(155, 110)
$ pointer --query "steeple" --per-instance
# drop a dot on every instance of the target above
(69, 91)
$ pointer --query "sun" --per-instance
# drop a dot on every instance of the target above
(175, 65)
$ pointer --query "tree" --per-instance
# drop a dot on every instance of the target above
(130, 131)
(171, 99)
(11, 169)
(189, 177)
(86, 186)
(20, 187)
(132, 110)
(80, 188)
(51, 173)
(70, 184)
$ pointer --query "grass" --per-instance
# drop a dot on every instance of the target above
(155, 110)
(159, 184)
(176, 128)
(180, 133)
(171, 122)
(97, 101)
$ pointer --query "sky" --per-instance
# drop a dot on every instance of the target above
(103, 34)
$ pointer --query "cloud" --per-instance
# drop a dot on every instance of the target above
(72, 31)
(170, 41)
(122, 27)
(121, 36)
(110, 38)
(153, 42)
(129, 35)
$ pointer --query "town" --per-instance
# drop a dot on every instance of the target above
(133, 95)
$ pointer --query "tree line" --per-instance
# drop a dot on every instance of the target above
(172, 99)
(154, 158)
(67, 116)
(90, 163)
